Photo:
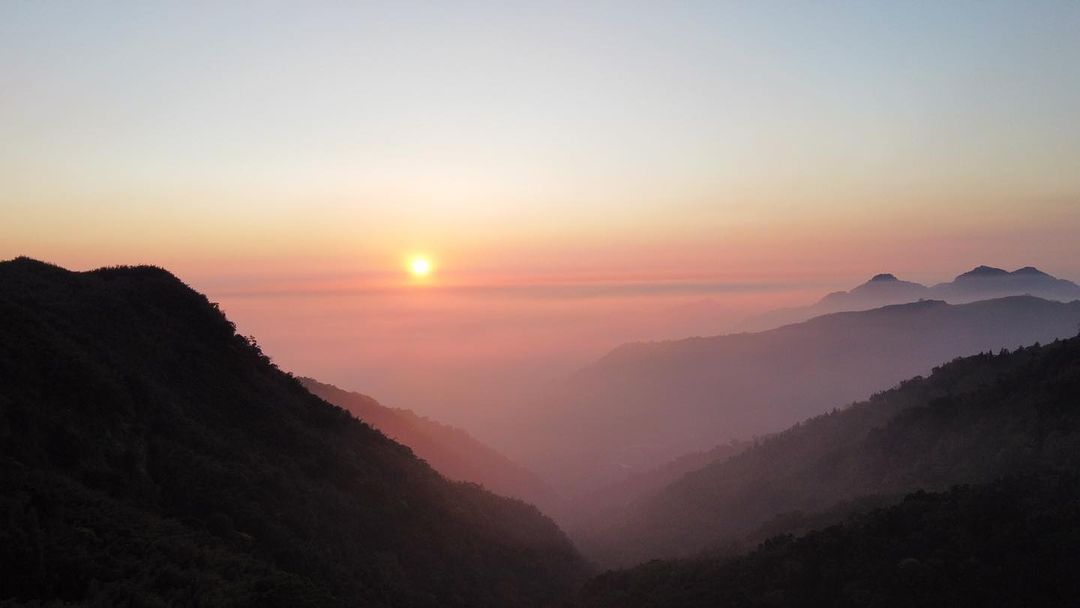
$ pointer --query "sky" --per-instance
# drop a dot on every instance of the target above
(580, 173)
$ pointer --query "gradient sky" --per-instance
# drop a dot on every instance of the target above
(267, 147)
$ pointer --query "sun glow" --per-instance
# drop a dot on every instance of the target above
(420, 267)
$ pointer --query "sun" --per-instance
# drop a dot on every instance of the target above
(420, 267)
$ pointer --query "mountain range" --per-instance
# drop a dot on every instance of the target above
(973, 420)
(151, 456)
(980, 283)
(1009, 423)
(647, 403)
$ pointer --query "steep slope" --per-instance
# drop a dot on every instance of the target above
(151, 456)
(647, 403)
(972, 420)
(1014, 542)
(980, 283)
(449, 450)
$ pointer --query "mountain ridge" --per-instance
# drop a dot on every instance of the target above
(453, 452)
(972, 420)
(979, 283)
(649, 402)
(151, 455)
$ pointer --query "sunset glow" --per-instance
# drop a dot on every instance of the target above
(420, 267)
(527, 185)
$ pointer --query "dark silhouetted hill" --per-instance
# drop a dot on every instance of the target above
(1011, 543)
(150, 456)
(980, 283)
(647, 403)
(451, 451)
(973, 420)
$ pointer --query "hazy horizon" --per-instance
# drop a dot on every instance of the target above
(474, 354)
(578, 176)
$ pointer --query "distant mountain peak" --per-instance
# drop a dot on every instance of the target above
(979, 283)
(983, 271)
(879, 284)
(1030, 270)
(885, 276)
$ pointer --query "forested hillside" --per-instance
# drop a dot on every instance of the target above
(150, 456)
(1014, 542)
(973, 420)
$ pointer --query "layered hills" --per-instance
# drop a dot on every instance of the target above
(973, 420)
(979, 283)
(647, 403)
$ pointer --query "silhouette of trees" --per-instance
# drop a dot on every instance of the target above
(1013, 542)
